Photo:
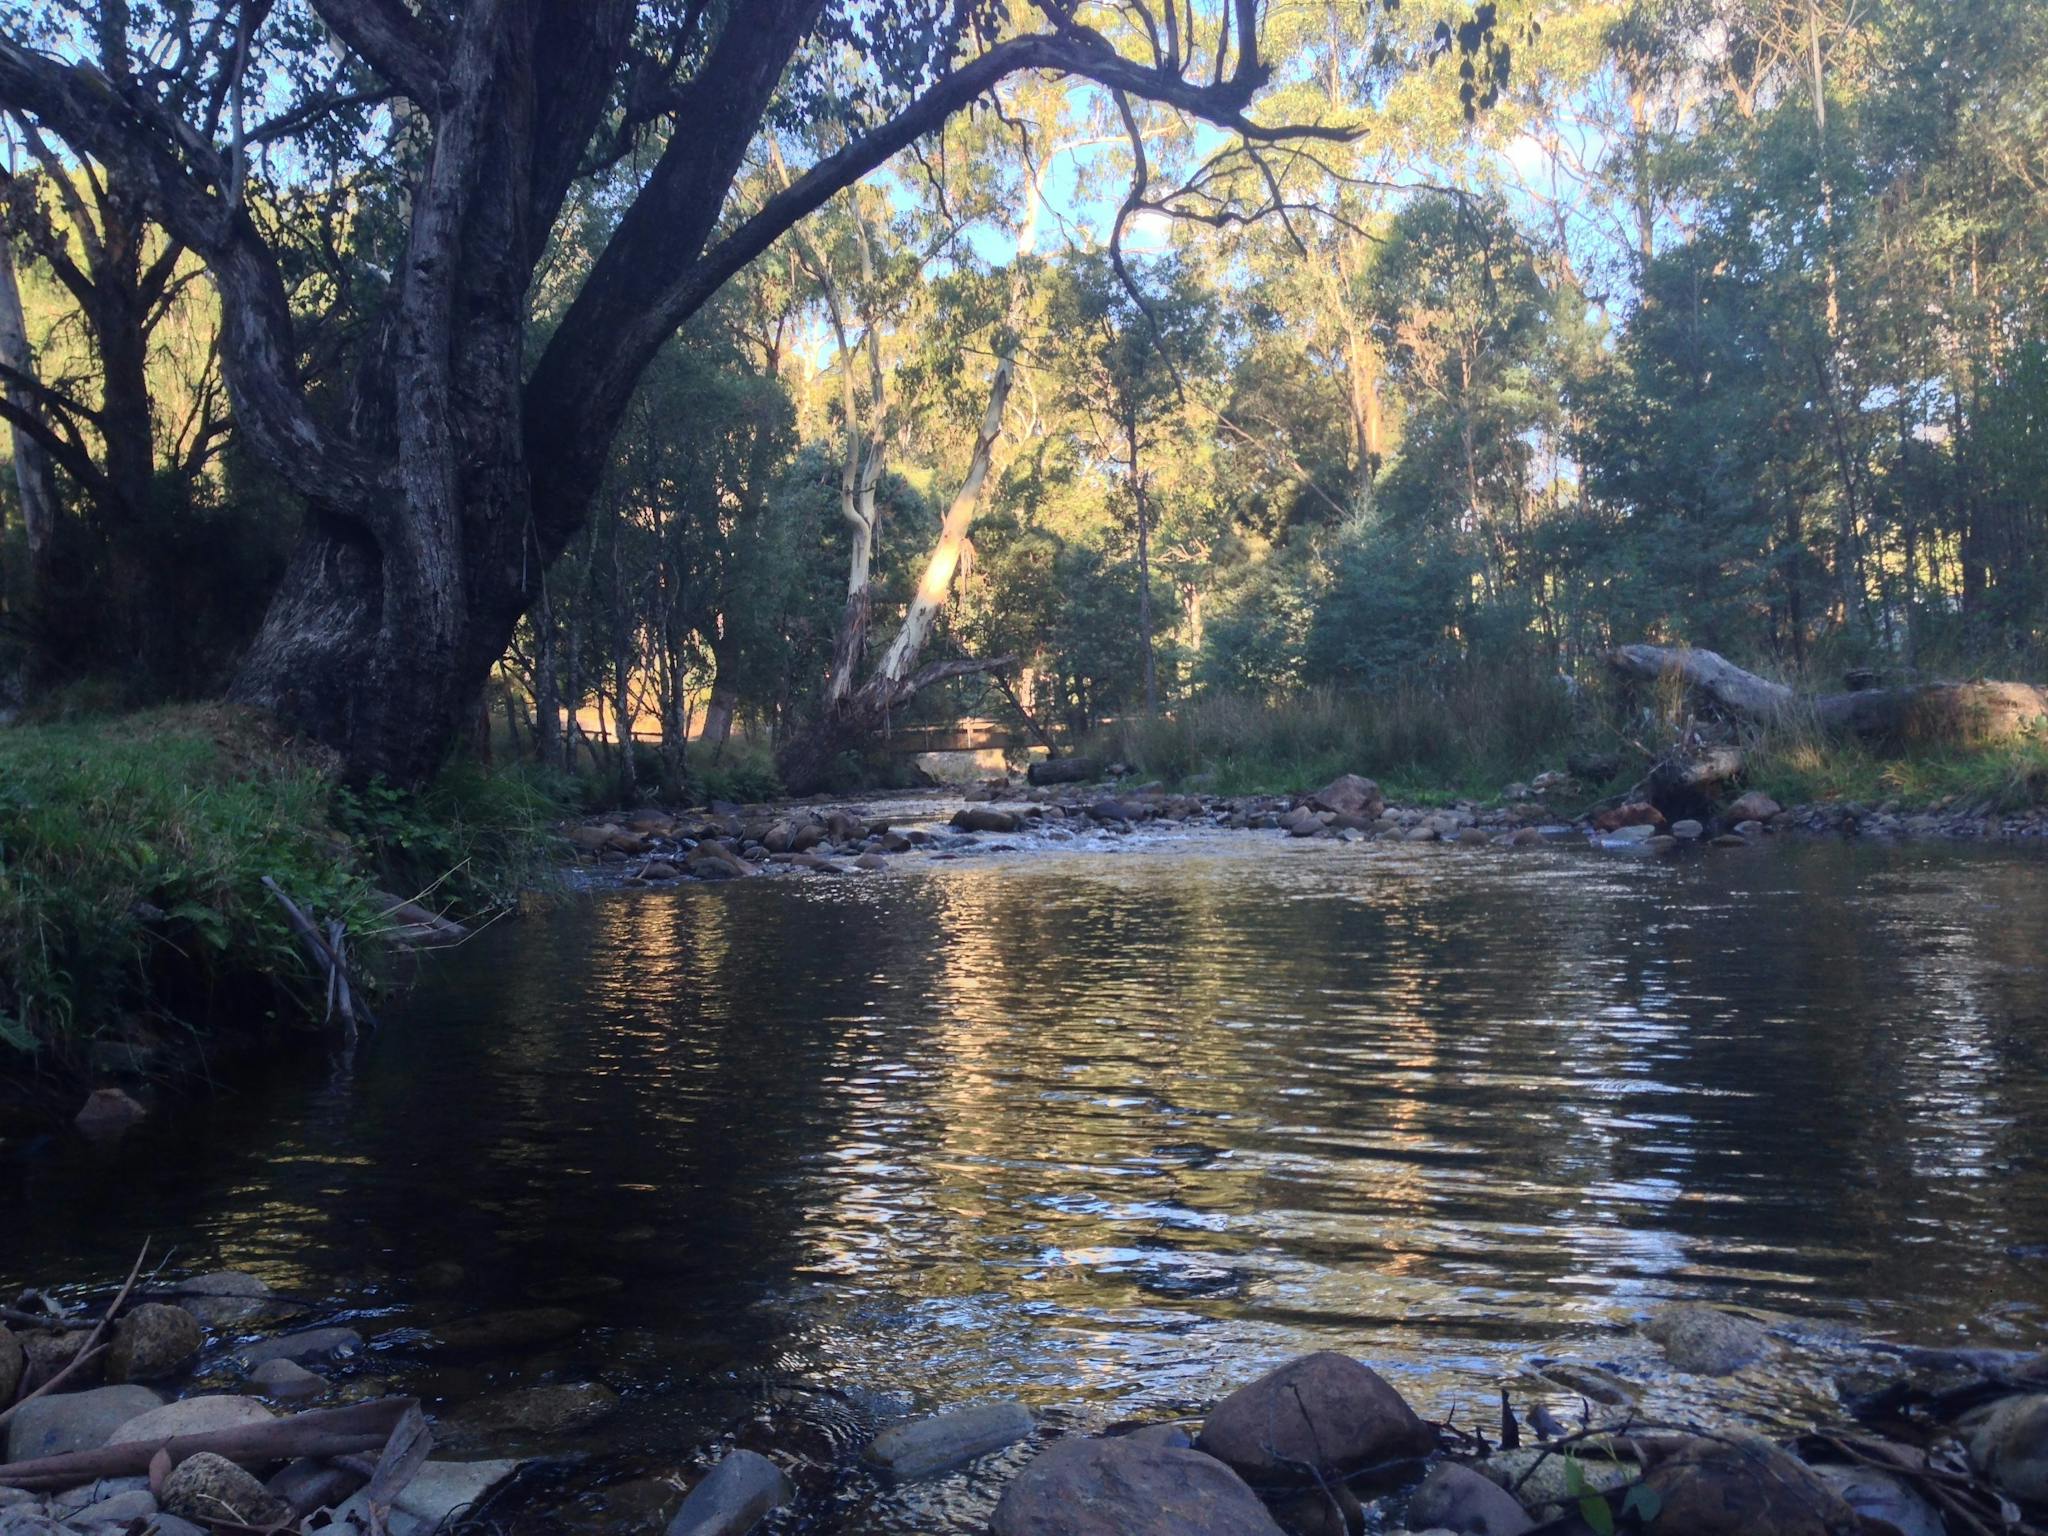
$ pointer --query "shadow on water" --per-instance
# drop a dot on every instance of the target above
(1111, 1131)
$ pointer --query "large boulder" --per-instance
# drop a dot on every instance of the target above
(734, 1497)
(212, 1490)
(926, 1446)
(1456, 1498)
(1350, 795)
(1126, 1487)
(2009, 1445)
(1324, 1415)
(61, 1422)
(152, 1342)
(1754, 806)
(1705, 1341)
(1744, 1486)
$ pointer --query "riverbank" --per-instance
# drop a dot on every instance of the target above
(213, 1401)
(143, 858)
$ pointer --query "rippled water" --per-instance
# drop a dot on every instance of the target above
(1110, 1128)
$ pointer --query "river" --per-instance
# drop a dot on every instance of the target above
(1111, 1125)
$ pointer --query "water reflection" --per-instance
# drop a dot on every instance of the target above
(1109, 1131)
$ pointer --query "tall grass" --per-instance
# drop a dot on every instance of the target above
(1465, 734)
(132, 856)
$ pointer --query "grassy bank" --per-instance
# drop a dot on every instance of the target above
(1470, 737)
(133, 851)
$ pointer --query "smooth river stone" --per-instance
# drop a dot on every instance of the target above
(1325, 1412)
(733, 1498)
(928, 1446)
(192, 1416)
(74, 1421)
(1126, 1487)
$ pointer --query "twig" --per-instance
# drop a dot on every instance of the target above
(91, 1349)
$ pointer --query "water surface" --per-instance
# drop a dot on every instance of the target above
(1111, 1127)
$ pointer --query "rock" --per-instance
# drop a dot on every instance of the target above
(733, 1497)
(1459, 1499)
(224, 1298)
(191, 1416)
(1705, 1341)
(1421, 832)
(153, 1341)
(1687, 830)
(556, 1410)
(496, 1332)
(1541, 1479)
(136, 1504)
(1636, 833)
(1123, 1487)
(49, 1353)
(1169, 1436)
(1730, 840)
(13, 1362)
(661, 870)
(73, 1421)
(1114, 810)
(870, 862)
(1472, 837)
(714, 861)
(309, 1483)
(1350, 795)
(1524, 837)
(441, 1276)
(2009, 1445)
(1325, 1411)
(1754, 806)
(1892, 1502)
(98, 1491)
(173, 1525)
(1744, 1486)
(1663, 843)
(980, 818)
(925, 1446)
(1636, 813)
(312, 1344)
(209, 1488)
(108, 1112)
(439, 1489)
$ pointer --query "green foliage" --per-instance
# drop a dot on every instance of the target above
(133, 851)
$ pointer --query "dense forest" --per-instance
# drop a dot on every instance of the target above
(1356, 347)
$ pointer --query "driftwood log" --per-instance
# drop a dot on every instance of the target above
(320, 1432)
(1924, 714)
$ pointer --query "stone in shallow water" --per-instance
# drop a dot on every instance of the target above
(224, 1297)
(1541, 1479)
(286, 1381)
(2009, 1445)
(437, 1491)
(1123, 1487)
(556, 1410)
(73, 1421)
(733, 1498)
(1705, 1341)
(1879, 1496)
(313, 1344)
(119, 1509)
(1744, 1486)
(1459, 1499)
(1324, 1411)
(493, 1332)
(927, 1446)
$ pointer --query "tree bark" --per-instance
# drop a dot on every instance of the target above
(34, 479)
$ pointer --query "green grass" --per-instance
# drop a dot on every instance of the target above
(1424, 746)
(1794, 768)
(132, 856)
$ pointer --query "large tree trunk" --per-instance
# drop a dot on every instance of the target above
(34, 479)
(1925, 714)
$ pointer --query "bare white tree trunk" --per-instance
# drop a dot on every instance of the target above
(33, 476)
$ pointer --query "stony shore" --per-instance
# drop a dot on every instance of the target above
(728, 841)
(210, 1403)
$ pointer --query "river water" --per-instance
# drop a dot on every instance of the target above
(1111, 1126)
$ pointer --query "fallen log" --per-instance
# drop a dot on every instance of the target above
(1064, 770)
(318, 1432)
(1925, 714)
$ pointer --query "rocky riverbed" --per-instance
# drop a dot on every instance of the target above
(721, 842)
(210, 1402)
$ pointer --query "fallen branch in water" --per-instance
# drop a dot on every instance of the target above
(318, 1432)
(330, 953)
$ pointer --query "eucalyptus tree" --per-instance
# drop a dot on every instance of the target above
(452, 467)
